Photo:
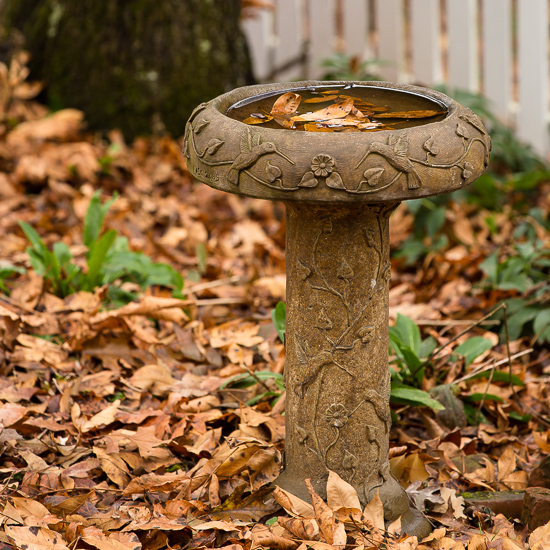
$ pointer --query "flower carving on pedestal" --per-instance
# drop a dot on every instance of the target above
(337, 415)
(322, 166)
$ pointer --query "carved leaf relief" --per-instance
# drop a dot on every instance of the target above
(344, 271)
(200, 126)
(350, 461)
(303, 270)
(302, 435)
(462, 131)
(431, 146)
(334, 181)
(213, 146)
(323, 321)
(365, 333)
(308, 180)
(468, 171)
(301, 350)
(273, 172)
(372, 175)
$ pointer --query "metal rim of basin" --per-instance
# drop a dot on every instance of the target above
(379, 166)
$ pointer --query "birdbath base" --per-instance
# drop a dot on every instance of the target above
(339, 190)
(336, 370)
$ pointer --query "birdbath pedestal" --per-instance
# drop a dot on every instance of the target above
(339, 189)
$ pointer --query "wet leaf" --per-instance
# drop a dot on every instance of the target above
(286, 104)
(336, 110)
(408, 114)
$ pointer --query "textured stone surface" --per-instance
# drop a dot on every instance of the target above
(388, 165)
(536, 507)
(339, 191)
(508, 503)
(540, 476)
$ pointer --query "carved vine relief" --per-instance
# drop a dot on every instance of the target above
(339, 351)
(323, 167)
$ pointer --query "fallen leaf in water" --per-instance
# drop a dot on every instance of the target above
(286, 104)
(337, 110)
(409, 114)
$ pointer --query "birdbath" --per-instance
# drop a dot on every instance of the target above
(339, 189)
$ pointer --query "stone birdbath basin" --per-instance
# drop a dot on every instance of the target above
(339, 189)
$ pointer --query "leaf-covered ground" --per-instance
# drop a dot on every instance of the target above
(119, 429)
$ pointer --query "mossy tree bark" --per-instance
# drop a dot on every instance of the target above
(132, 63)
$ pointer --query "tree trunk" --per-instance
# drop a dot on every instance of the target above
(132, 64)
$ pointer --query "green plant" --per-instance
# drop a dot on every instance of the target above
(429, 219)
(509, 154)
(6, 272)
(242, 381)
(345, 67)
(278, 315)
(526, 271)
(109, 261)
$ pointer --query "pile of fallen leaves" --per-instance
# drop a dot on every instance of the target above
(118, 428)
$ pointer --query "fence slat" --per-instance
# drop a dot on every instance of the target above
(497, 55)
(389, 22)
(259, 34)
(322, 34)
(356, 29)
(532, 122)
(426, 42)
(289, 42)
(462, 35)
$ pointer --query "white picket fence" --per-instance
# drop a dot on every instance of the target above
(499, 48)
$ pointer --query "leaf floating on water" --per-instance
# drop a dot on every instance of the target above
(285, 123)
(286, 104)
(313, 127)
(257, 119)
(321, 99)
(409, 114)
(337, 110)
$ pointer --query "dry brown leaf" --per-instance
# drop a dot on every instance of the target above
(38, 538)
(154, 482)
(114, 467)
(302, 528)
(374, 512)
(154, 378)
(102, 418)
(264, 467)
(62, 125)
(323, 514)
(28, 507)
(10, 414)
(340, 494)
(540, 538)
(115, 541)
(292, 504)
